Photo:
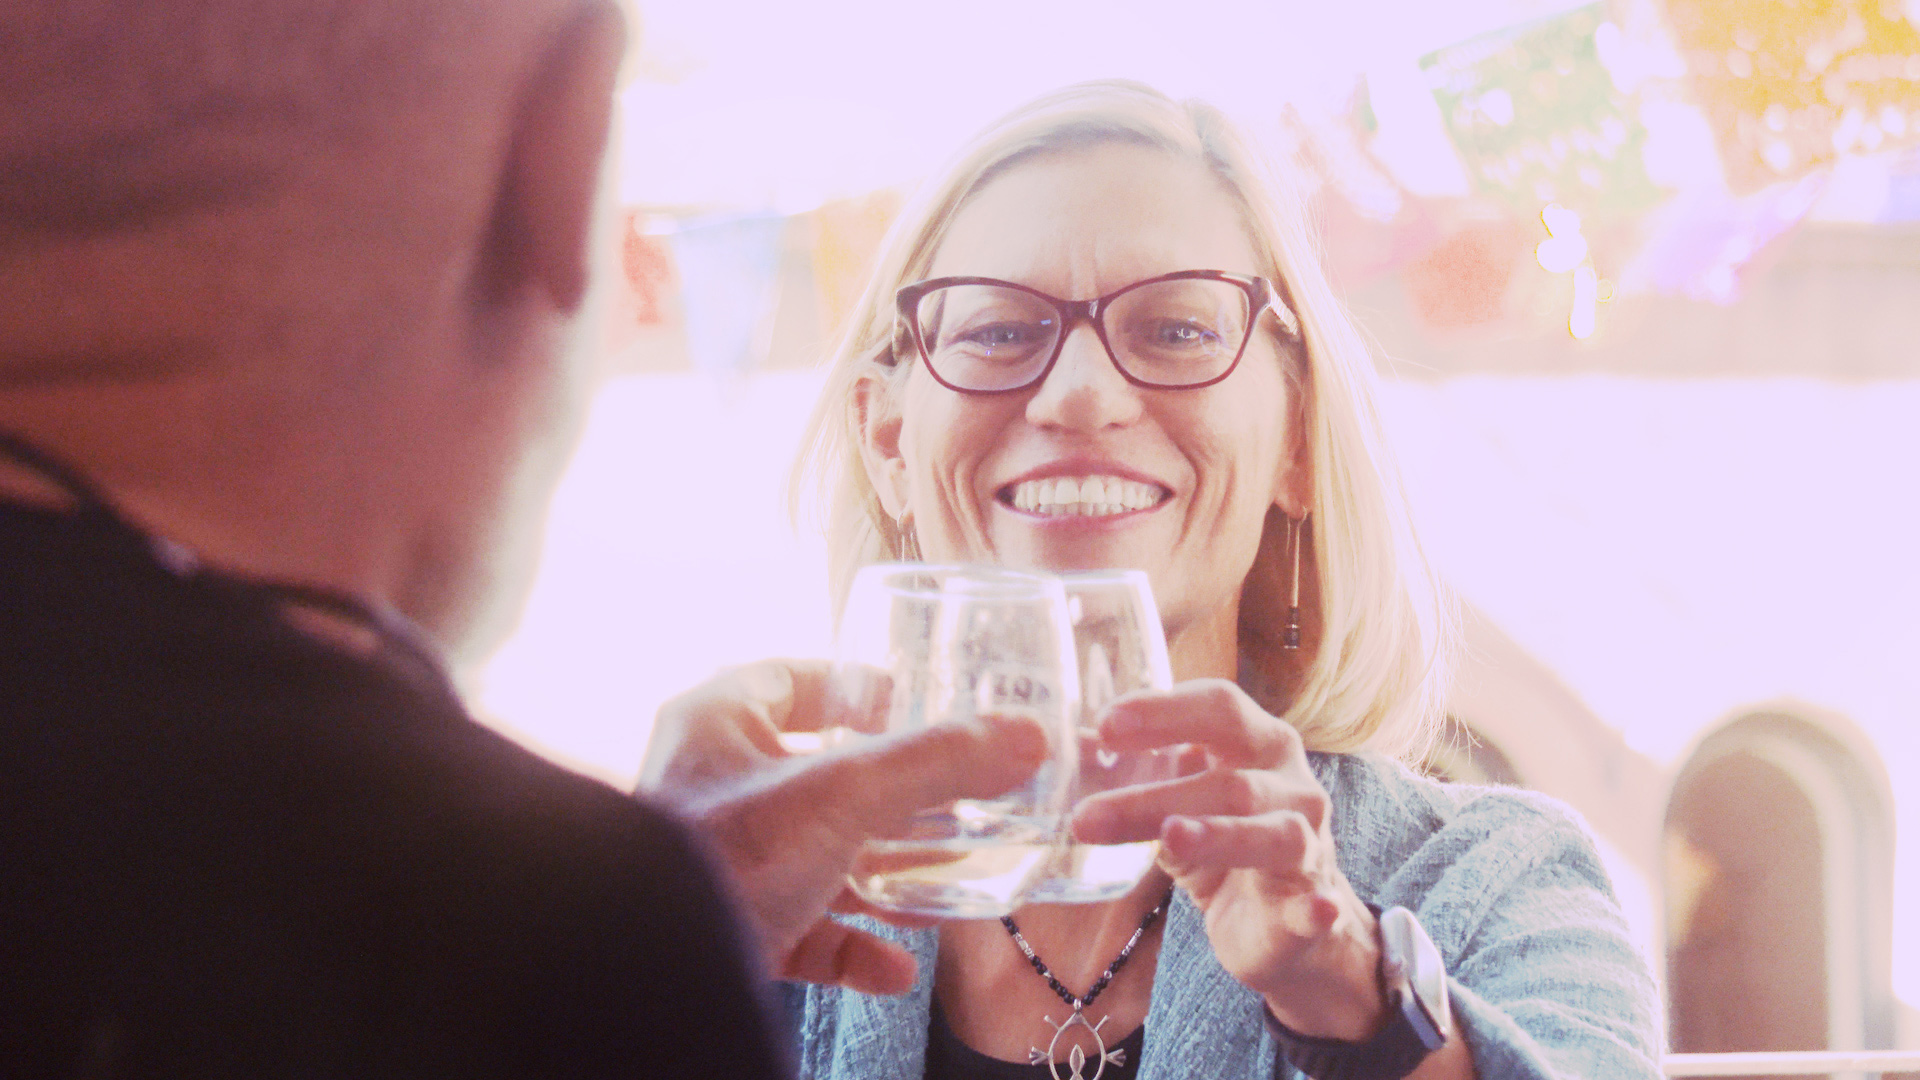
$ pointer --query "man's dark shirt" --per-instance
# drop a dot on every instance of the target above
(233, 849)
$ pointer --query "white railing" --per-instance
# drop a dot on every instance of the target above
(1793, 1063)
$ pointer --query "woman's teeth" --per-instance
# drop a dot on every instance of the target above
(1088, 496)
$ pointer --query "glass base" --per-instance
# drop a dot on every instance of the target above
(1091, 873)
(955, 879)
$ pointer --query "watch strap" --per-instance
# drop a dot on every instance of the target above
(1393, 1051)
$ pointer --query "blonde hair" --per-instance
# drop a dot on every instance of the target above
(1380, 628)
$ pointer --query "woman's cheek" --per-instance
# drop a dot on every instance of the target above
(943, 509)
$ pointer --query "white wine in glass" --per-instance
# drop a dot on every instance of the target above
(922, 645)
(1121, 648)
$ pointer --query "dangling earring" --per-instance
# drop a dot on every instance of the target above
(906, 543)
(1295, 530)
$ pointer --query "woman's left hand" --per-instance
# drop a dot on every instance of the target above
(1249, 838)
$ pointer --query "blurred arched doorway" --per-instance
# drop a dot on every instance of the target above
(1778, 885)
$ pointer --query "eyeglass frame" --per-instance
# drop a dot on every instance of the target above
(1261, 296)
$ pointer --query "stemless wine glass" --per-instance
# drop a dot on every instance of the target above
(1122, 648)
(923, 645)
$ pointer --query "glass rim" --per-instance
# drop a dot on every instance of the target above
(951, 577)
(1110, 575)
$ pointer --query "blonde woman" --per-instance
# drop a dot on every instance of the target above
(1103, 339)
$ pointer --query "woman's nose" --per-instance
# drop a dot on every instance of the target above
(1084, 391)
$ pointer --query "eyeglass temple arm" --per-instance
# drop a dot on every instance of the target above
(1281, 306)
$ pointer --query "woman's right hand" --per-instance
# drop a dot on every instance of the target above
(787, 827)
(1250, 839)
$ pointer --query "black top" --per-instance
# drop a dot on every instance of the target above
(950, 1059)
(232, 850)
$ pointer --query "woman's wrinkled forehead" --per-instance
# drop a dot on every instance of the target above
(1085, 220)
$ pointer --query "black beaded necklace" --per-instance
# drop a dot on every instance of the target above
(1076, 1058)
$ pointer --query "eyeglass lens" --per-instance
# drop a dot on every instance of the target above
(1172, 333)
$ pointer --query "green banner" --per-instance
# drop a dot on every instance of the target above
(1535, 116)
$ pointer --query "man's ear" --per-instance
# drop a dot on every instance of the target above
(539, 236)
(877, 420)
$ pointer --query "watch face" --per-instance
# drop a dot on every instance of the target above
(1408, 947)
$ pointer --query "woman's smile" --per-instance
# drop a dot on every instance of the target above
(1076, 492)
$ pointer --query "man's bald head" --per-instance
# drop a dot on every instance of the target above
(119, 114)
(294, 278)
(188, 158)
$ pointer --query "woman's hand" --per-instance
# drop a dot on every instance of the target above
(1249, 838)
(787, 827)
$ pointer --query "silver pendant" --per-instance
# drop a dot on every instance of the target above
(1076, 1063)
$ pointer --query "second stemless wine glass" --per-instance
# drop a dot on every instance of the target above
(1121, 648)
(923, 645)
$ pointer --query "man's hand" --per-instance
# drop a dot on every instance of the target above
(788, 826)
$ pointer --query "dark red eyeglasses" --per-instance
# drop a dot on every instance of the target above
(1178, 331)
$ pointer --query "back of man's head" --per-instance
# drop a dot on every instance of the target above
(165, 146)
(259, 244)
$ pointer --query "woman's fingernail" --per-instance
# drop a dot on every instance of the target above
(1184, 830)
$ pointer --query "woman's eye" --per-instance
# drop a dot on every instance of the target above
(998, 335)
(1186, 334)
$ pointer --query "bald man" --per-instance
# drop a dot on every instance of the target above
(287, 289)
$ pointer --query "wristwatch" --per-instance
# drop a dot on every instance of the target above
(1419, 1020)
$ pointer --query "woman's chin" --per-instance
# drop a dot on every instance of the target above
(1064, 545)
